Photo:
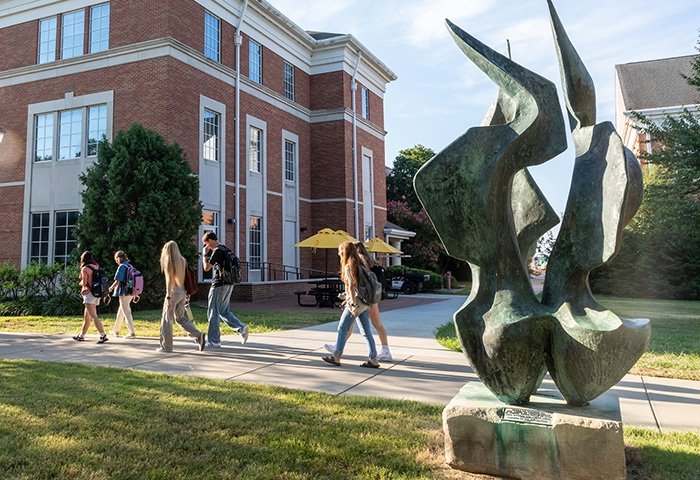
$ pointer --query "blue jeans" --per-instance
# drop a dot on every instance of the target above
(218, 310)
(344, 326)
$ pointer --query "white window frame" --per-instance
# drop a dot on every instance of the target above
(365, 102)
(207, 126)
(70, 228)
(256, 148)
(99, 13)
(75, 131)
(255, 62)
(78, 47)
(45, 242)
(289, 81)
(290, 160)
(212, 33)
(213, 226)
(51, 129)
(49, 54)
(255, 261)
(101, 120)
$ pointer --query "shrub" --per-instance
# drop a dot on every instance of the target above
(9, 281)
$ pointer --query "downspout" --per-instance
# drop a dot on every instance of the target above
(238, 41)
(353, 89)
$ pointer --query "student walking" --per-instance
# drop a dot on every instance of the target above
(88, 267)
(119, 289)
(355, 309)
(370, 263)
(173, 265)
(218, 256)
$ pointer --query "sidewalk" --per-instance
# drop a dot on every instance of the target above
(422, 370)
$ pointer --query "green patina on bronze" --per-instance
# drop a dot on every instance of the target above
(510, 338)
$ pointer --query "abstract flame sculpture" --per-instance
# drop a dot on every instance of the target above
(488, 211)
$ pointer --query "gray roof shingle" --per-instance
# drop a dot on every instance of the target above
(657, 83)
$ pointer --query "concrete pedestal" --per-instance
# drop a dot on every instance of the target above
(547, 439)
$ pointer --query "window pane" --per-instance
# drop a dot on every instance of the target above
(72, 34)
(69, 133)
(99, 28)
(255, 62)
(289, 160)
(289, 81)
(210, 147)
(47, 40)
(43, 137)
(211, 36)
(365, 103)
(39, 243)
(97, 128)
(255, 149)
(255, 243)
(64, 243)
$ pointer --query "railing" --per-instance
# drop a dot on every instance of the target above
(271, 272)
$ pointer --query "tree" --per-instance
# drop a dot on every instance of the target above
(139, 194)
(399, 184)
(660, 252)
(425, 249)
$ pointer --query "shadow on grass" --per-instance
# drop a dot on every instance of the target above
(64, 421)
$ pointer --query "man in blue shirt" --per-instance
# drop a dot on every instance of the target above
(218, 308)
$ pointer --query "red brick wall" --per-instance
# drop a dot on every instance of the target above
(19, 45)
(11, 201)
(328, 91)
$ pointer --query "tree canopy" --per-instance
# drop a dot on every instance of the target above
(660, 252)
(399, 184)
(139, 194)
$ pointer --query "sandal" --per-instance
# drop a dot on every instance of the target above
(369, 364)
(330, 359)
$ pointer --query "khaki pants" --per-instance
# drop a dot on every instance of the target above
(174, 310)
(124, 313)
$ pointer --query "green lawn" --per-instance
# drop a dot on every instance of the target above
(72, 421)
(674, 350)
(147, 322)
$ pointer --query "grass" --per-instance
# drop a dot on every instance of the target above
(72, 421)
(147, 322)
(674, 349)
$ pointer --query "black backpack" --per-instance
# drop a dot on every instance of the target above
(230, 272)
(100, 283)
(369, 290)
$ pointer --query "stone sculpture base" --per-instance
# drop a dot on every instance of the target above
(547, 439)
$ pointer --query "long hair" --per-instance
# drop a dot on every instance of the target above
(86, 258)
(173, 264)
(365, 257)
(120, 256)
(349, 263)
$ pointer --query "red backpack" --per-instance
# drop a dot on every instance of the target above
(191, 285)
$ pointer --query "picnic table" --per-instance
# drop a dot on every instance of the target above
(323, 291)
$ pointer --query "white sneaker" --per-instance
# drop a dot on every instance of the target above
(129, 336)
(385, 355)
(329, 347)
(244, 334)
(212, 345)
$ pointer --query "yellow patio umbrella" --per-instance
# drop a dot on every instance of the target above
(377, 245)
(326, 239)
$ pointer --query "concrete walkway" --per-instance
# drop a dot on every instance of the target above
(422, 370)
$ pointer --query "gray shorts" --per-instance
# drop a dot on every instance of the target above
(90, 299)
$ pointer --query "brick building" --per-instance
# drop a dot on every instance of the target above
(655, 89)
(307, 151)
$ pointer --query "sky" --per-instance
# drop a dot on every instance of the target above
(440, 94)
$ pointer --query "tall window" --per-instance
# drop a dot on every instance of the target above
(72, 34)
(64, 242)
(97, 127)
(39, 238)
(365, 103)
(289, 80)
(210, 147)
(70, 128)
(99, 28)
(210, 223)
(255, 243)
(212, 28)
(255, 62)
(255, 149)
(43, 137)
(47, 40)
(290, 154)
